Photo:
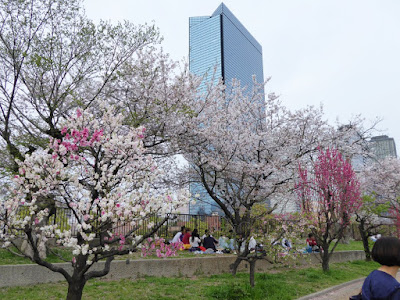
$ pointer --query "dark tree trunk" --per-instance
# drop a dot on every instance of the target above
(325, 258)
(75, 289)
(235, 266)
(252, 271)
(364, 238)
(77, 281)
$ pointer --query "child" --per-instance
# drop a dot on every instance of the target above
(382, 283)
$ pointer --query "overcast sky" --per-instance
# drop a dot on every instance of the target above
(341, 53)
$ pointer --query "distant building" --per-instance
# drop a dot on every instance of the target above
(222, 44)
(383, 146)
(221, 41)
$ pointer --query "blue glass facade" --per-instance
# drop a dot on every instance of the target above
(220, 42)
(205, 46)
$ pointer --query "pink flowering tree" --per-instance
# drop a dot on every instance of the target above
(98, 171)
(328, 196)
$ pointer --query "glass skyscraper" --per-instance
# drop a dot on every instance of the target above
(221, 43)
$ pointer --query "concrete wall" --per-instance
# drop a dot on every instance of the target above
(15, 275)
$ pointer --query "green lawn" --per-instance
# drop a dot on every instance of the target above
(287, 284)
(353, 245)
(7, 258)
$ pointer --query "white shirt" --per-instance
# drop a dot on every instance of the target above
(177, 238)
(194, 242)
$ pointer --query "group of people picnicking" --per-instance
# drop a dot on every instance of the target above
(205, 244)
(226, 244)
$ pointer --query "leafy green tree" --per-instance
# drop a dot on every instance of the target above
(368, 219)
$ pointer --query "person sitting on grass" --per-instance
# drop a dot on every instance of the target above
(178, 236)
(195, 241)
(209, 243)
(286, 244)
(185, 239)
(312, 244)
(206, 232)
(382, 283)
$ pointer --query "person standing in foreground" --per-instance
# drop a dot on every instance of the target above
(382, 283)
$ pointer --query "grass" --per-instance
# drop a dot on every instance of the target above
(352, 245)
(8, 258)
(284, 284)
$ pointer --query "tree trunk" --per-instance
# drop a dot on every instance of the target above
(325, 258)
(364, 238)
(252, 271)
(75, 289)
(235, 266)
(346, 236)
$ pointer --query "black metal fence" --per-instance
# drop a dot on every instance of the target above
(66, 220)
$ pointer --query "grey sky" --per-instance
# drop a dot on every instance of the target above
(341, 53)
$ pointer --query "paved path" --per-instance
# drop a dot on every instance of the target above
(339, 292)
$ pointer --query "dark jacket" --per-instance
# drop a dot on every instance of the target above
(380, 285)
(209, 242)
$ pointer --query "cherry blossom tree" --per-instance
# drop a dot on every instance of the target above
(156, 92)
(328, 195)
(244, 151)
(53, 59)
(100, 172)
(382, 179)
